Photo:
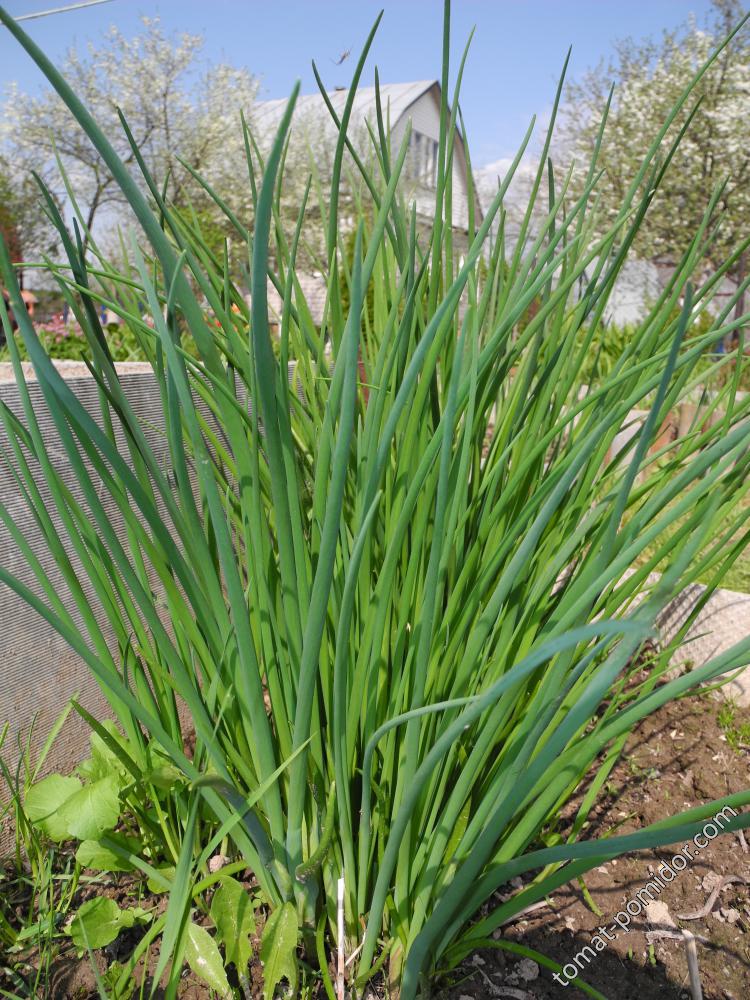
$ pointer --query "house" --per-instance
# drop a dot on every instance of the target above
(417, 102)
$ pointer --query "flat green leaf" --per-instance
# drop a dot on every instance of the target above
(168, 871)
(103, 761)
(45, 927)
(92, 810)
(99, 921)
(44, 801)
(232, 912)
(95, 767)
(165, 777)
(204, 958)
(93, 854)
(278, 949)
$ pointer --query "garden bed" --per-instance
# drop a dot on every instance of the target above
(404, 662)
(690, 752)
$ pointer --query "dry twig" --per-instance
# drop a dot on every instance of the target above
(705, 910)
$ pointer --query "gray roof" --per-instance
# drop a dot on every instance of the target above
(395, 99)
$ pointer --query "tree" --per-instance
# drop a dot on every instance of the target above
(650, 77)
(173, 112)
(23, 227)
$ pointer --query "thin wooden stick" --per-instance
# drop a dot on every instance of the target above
(340, 927)
(696, 992)
(354, 954)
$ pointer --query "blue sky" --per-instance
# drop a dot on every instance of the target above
(516, 55)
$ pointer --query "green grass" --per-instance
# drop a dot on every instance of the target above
(736, 730)
(401, 658)
(38, 880)
(736, 576)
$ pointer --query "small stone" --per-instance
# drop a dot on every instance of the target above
(710, 881)
(517, 882)
(527, 970)
(217, 862)
(731, 915)
(658, 915)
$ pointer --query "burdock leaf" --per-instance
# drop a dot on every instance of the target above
(278, 950)
(44, 801)
(232, 912)
(95, 855)
(92, 810)
(203, 956)
(99, 921)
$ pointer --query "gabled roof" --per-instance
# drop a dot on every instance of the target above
(395, 100)
(313, 122)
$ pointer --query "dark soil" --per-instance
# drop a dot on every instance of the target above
(677, 759)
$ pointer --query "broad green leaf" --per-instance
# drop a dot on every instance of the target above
(103, 761)
(95, 767)
(232, 912)
(44, 801)
(278, 949)
(165, 777)
(168, 871)
(99, 921)
(204, 958)
(92, 810)
(93, 854)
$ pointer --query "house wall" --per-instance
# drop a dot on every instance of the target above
(424, 115)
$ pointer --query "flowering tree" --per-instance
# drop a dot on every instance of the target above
(715, 151)
(172, 112)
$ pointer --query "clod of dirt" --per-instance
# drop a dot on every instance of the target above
(658, 915)
(710, 881)
(525, 971)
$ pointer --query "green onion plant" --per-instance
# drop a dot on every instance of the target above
(394, 603)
